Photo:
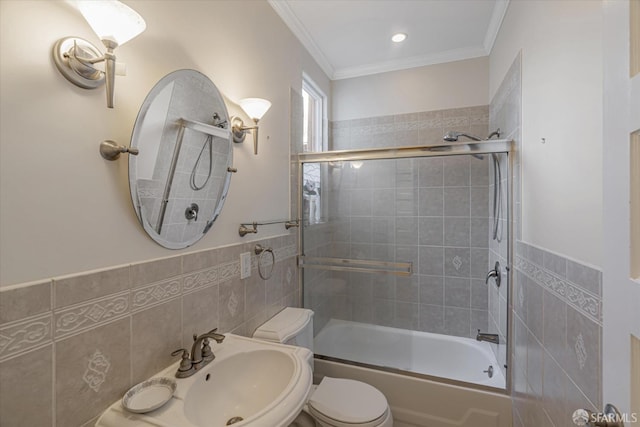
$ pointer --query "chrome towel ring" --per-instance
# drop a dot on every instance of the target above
(261, 250)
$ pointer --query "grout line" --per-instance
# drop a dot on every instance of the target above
(130, 350)
(54, 400)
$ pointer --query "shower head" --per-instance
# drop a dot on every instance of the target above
(453, 136)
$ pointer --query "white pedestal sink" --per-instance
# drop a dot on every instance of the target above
(250, 383)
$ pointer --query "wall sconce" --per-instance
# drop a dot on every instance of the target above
(115, 23)
(255, 108)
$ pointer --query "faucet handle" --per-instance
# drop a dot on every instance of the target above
(495, 273)
(207, 354)
(185, 363)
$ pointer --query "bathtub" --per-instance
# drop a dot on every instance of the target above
(429, 380)
(443, 356)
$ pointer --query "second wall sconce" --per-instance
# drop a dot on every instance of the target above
(115, 23)
(255, 108)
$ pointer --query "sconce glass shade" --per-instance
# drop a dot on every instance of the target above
(255, 107)
(111, 20)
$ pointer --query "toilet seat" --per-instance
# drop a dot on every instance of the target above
(341, 402)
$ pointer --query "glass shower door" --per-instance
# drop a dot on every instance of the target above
(401, 252)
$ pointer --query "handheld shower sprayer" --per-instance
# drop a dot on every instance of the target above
(452, 136)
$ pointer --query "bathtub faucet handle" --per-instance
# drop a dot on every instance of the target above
(495, 273)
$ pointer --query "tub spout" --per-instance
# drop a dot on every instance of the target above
(491, 338)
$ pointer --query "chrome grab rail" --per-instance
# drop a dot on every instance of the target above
(245, 229)
(356, 265)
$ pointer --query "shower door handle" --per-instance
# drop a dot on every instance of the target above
(496, 274)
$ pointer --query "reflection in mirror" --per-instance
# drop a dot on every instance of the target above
(180, 179)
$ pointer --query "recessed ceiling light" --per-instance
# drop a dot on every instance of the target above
(399, 37)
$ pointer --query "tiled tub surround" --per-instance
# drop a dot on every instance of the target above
(432, 212)
(75, 344)
(558, 338)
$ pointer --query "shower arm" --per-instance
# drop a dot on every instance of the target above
(475, 138)
(453, 136)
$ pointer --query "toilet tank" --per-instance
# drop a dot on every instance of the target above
(293, 326)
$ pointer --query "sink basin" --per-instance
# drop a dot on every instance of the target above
(239, 387)
(250, 383)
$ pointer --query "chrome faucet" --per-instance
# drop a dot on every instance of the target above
(200, 356)
(491, 338)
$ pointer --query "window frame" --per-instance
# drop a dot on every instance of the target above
(320, 113)
(319, 135)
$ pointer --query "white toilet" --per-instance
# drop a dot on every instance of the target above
(335, 402)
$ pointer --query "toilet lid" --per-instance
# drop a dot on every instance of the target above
(348, 401)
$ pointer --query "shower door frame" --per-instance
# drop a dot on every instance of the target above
(496, 146)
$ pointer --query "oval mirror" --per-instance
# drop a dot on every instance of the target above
(180, 179)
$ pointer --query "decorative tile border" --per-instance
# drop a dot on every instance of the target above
(200, 279)
(86, 315)
(585, 302)
(16, 338)
(551, 282)
(158, 292)
(229, 271)
(31, 332)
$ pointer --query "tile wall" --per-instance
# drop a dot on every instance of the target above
(431, 212)
(556, 306)
(557, 351)
(75, 344)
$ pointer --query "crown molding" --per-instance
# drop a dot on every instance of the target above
(412, 62)
(285, 12)
(499, 11)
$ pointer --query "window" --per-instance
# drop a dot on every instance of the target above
(314, 133)
(314, 138)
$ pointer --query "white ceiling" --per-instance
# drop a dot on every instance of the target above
(350, 38)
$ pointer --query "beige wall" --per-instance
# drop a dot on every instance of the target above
(63, 208)
(561, 102)
(434, 87)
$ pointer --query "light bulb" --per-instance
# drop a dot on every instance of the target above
(399, 37)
